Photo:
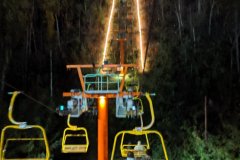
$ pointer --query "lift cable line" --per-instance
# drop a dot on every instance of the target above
(31, 98)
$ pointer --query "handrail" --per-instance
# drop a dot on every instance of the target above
(10, 110)
(104, 83)
(152, 114)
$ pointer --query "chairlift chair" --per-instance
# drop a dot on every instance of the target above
(79, 132)
(21, 126)
(139, 131)
(125, 148)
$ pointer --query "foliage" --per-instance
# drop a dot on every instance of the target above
(215, 147)
(193, 53)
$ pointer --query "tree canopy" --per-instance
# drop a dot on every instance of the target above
(193, 53)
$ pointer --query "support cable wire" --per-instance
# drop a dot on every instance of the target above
(31, 98)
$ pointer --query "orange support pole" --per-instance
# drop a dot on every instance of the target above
(102, 128)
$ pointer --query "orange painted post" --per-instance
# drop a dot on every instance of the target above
(102, 128)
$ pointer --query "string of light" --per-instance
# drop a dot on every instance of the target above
(140, 34)
(139, 30)
(108, 30)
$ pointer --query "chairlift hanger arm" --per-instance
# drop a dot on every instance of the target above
(152, 114)
(10, 110)
(69, 124)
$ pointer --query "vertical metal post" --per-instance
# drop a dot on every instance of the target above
(102, 128)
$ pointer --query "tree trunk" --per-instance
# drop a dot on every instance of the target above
(162, 9)
(4, 71)
(192, 28)
(210, 17)
(199, 5)
(179, 17)
(51, 76)
(237, 51)
(79, 26)
(236, 39)
(58, 32)
(205, 118)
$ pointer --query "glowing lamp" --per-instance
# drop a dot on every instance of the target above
(61, 108)
(102, 101)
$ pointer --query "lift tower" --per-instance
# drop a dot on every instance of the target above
(109, 80)
(106, 85)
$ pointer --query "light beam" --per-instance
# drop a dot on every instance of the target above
(108, 30)
(140, 33)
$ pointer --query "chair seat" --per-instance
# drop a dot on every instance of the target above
(24, 159)
(74, 148)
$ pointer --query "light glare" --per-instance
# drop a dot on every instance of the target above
(102, 101)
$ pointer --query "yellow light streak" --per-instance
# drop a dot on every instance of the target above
(108, 30)
(140, 33)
